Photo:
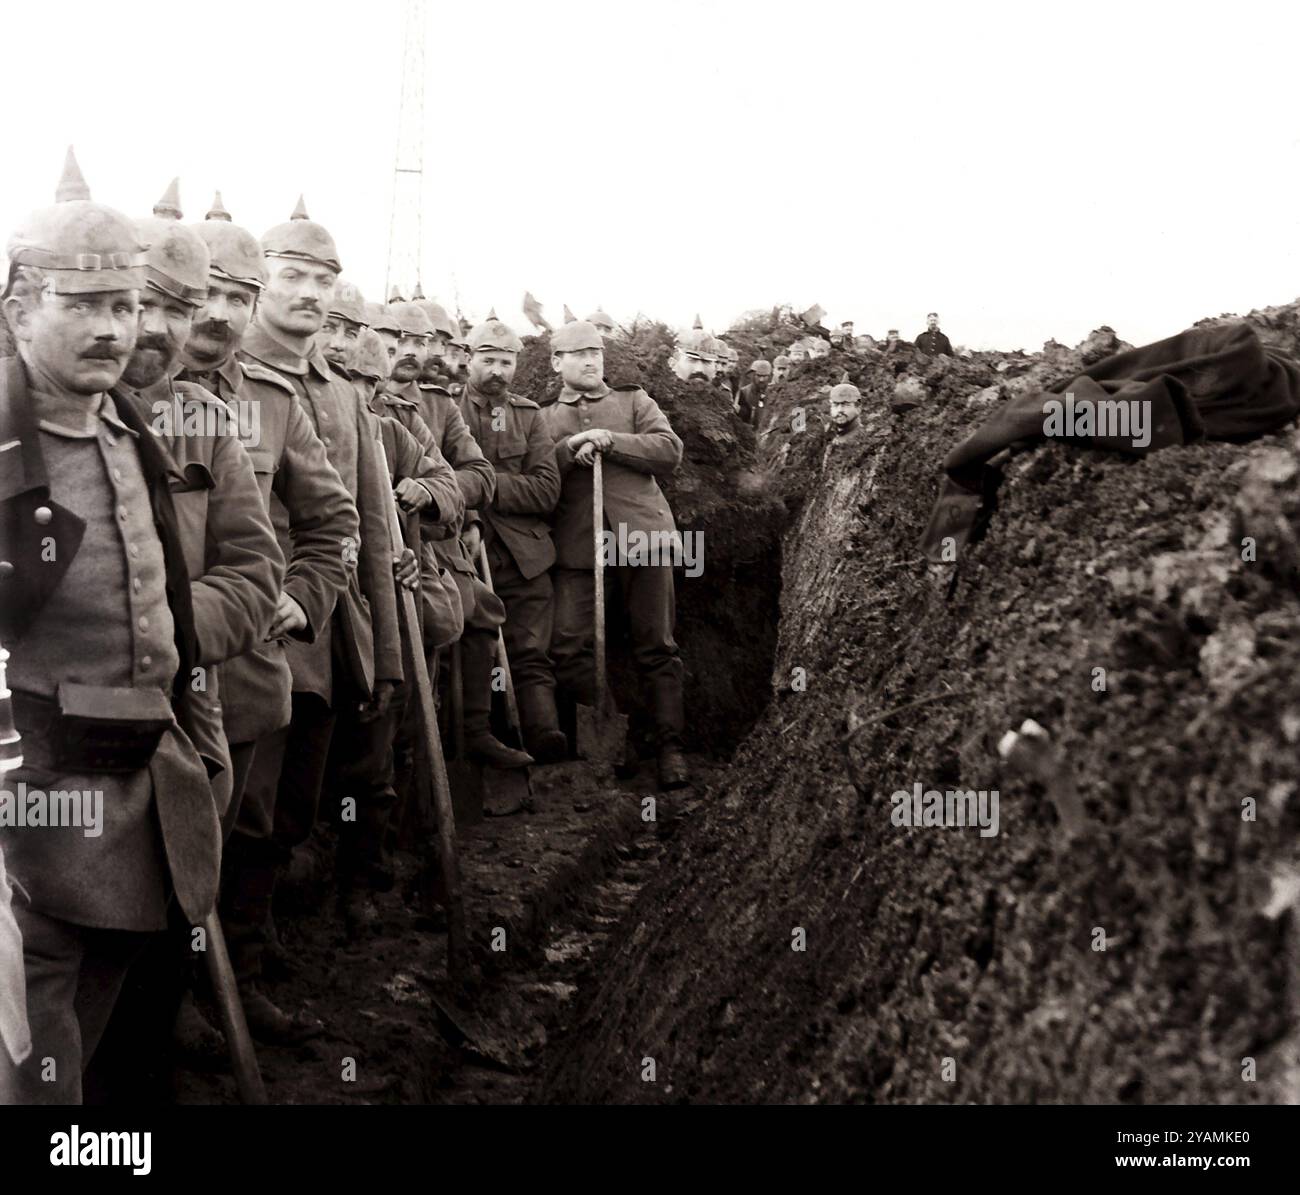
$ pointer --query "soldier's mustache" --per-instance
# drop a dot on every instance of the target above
(213, 330)
(307, 305)
(158, 344)
(102, 352)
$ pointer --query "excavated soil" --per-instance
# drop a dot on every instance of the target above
(802, 947)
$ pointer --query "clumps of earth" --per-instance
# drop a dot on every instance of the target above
(800, 945)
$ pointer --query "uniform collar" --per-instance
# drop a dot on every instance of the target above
(262, 344)
(568, 394)
(483, 400)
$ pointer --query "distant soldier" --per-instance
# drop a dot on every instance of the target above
(694, 356)
(315, 518)
(750, 400)
(798, 353)
(455, 548)
(603, 323)
(104, 637)
(894, 343)
(932, 342)
(435, 368)
(341, 331)
(728, 364)
(513, 434)
(845, 408)
(636, 444)
(781, 369)
(457, 362)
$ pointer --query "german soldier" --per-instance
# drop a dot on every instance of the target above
(512, 432)
(98, 617)
(637, 444)
(313, 514)
(357, 657)
(456, 549)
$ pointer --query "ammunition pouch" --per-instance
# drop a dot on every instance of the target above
(92, 728)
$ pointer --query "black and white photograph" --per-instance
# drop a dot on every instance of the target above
(693, 553)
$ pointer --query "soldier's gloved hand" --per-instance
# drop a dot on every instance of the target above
(406, 569)
(411, 495)
(379, 702)
(289, 618)
(471, 537)
(585, 455)
(602, 439)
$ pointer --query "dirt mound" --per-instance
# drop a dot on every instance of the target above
(1146, 612)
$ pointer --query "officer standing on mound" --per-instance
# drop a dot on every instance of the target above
(636, 444)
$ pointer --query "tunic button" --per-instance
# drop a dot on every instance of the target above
(145, 661)
(117, 474)
(135, 584)
(43, 514)
(135, 551)
(6, 570)
(143, 623)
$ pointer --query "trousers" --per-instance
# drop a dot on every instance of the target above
(649, 607)
(74, 975)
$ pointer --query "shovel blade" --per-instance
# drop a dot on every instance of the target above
(602, 736)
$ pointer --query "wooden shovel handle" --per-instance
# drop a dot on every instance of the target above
(598, 573)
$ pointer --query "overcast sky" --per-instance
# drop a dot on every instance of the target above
(1028, 170)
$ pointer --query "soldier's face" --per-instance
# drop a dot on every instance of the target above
(412, 353)
(338, 340)
(686, 365)
(220, 323)
(932, 322)
(81, 342)
(845, 412)
(164, 328)
(297, 296)
(389, 341)
(582, 369)
(491, 371)
(435, 362)
(798, 354)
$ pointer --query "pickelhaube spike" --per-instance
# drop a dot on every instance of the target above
(218, 209)
(699, 323)
(492, 313)
(395, 295)
(300, 212)
(72, 184)
(569, 317)
(169, 206)
(417, 294)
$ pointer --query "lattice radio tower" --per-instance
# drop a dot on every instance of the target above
(405, 237)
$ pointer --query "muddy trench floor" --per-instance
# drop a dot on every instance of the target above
(550, 888)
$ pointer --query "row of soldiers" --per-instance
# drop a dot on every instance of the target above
(219, 468)
(705, 360)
